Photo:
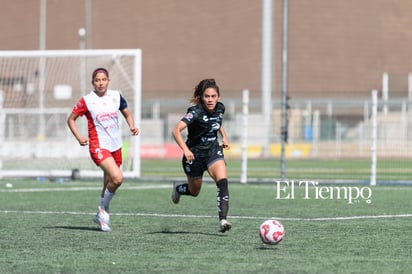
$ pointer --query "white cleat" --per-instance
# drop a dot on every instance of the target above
(224, 226)
(175, 194)
(102, 218)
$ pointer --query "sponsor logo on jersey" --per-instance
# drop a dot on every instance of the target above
(106, 116)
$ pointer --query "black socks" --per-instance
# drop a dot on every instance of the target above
(183, 189)
(222, 198)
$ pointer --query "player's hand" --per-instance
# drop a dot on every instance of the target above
(134, 131)
(226, 146)
(189, 156)
(83, 142)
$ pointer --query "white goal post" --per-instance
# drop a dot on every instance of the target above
(38, 90)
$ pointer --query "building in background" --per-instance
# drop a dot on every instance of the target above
(337, 49)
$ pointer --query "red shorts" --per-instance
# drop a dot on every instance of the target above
(99, 154)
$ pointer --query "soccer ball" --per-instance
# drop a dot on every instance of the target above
(271, 232)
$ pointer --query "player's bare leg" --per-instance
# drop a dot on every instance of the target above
(106, 180)
(112, 180)
(191, 188)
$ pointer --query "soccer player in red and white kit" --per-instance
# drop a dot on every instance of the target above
(101, 108)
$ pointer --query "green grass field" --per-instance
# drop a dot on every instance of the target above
(47, 228)
(329, 170)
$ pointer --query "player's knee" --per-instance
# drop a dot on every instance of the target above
(117, 179)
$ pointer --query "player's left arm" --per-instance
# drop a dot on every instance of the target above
(225, 140)
(130, 121)
(221, 109)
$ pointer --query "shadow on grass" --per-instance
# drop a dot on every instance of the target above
(86, 228)
(168, 231)
(267, 247)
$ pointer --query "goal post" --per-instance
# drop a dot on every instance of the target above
(38, 90)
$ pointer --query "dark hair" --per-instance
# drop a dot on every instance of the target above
(201, 87)
(100, 70)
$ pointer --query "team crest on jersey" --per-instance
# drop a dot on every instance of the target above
(189, 116)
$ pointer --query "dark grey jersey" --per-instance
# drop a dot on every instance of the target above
(203, 128)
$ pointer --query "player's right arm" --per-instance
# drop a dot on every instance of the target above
(177, 135)
(71, 122)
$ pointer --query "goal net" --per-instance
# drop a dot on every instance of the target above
(38, 90)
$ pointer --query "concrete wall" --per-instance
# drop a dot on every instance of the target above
(336, 49)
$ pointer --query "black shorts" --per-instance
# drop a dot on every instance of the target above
(197, 167)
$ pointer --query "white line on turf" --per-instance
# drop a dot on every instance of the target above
(49, 189)
(153, 186)
(207, 216)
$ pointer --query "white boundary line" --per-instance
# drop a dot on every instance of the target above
(50, 189)
(342, 218)
(208, 216)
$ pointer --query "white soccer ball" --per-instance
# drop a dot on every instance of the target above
(271, 232)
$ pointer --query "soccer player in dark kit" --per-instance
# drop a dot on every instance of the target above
(202, 151)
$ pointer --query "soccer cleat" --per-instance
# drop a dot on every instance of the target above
(102, 218)
(175, 194)
(103, 215)
(224, 226)
(96, 219)
(103, 226)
